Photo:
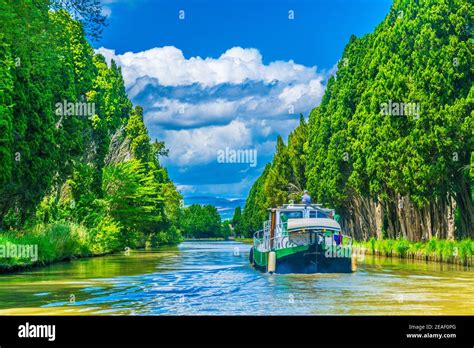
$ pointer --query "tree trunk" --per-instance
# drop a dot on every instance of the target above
(466, 210)
(451, 209)
(379, 219)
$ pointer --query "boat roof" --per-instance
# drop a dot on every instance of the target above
(318, 223)
(292, 207)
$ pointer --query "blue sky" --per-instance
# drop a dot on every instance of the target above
(232, 74)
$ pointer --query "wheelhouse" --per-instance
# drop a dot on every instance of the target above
(297, 224)
(292, 216)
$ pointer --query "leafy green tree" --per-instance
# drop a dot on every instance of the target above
(132, 197)
(276, 185)
(88, 12)
(255, 209)
(52, 164)
(237, 222)
(296, 153)
(31, 139)
(226, 229)
(201, 221)
(149, 153)
(6, 114)
(397, 172)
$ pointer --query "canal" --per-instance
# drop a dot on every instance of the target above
(214, 278)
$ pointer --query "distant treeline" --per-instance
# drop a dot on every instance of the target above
(204, 221)
(390, 145)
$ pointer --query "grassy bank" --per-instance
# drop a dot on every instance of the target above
(439, 250)
(47, 243)
(190, 239)
(43, 244)
(244, 240)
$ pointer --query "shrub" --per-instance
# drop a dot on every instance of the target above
(402, 246)
(372, 244)
(171, 236)
(465, 249)
(106, 237)
(388, 246)
(431, 246)
(55, 242)
(449, 249)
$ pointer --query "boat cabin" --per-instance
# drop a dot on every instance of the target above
(290, 217)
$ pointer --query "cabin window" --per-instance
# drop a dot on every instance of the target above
(293, 214)
(317, 214)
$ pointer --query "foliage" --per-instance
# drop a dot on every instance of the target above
(132, 196)
(237, 222)
(277, 181)
(89, 12)
(105, 237)
(53, 166)
(356, 149)
(201, 221)
(352, 154)
(255, 209)
(55, 242)
(282, 181)
(460, 251)
(226, 229)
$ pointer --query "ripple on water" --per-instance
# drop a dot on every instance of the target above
(205, 278)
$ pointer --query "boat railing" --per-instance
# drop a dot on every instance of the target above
(262, 237)
(263, 242)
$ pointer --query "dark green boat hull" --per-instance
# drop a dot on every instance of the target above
(304, 259)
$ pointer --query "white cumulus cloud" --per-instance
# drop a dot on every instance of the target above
(169, 66)
(200, 105)
(200, 145)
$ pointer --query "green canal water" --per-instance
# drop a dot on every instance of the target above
(214, 278)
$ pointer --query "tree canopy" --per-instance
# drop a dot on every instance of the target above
(72, 147)
(201, 221)
(400, 172)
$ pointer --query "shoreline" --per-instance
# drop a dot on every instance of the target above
(457, 252)
(46, 244)
(436, 250)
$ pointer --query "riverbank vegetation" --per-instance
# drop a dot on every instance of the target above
(440, 250)
(203, 221)
(390, 175)
(44, 244)
(78, 171)
(244, 240)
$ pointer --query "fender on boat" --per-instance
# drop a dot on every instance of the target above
(271, 267)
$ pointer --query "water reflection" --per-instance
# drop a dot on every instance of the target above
(205, 278)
